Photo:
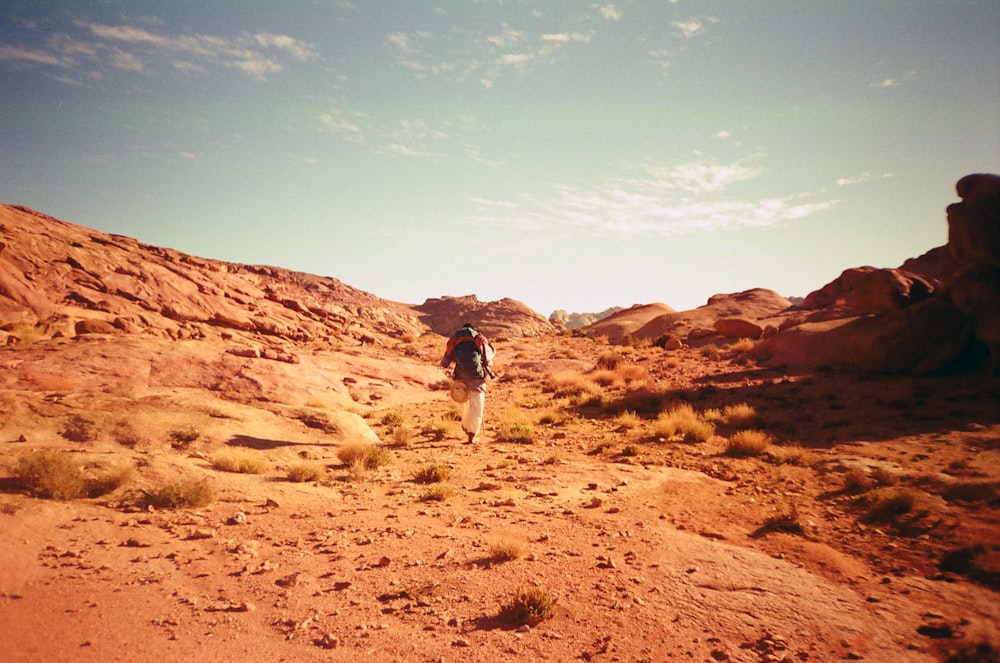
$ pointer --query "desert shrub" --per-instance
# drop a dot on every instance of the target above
(744, 345)
(409, 337)
(433, 473)
(515, 427)
(746, 443)
(627, 420)
(792, 455)
(528, 606)
(632, 374)
(304, 471)
(179, 494)
(402, 435)
(240, 462)
(438, 492)
(436, 431)
(392, 418)
(713, 415)
(643, 400)
(629, 451)
(857, 481)
(554, 417)
(551, 459)
(682, 421)
(104, 480)
(505, 550)
(125, 435)
(740, 414)
(51, 474)
(182, 437)
(78, 429)
(568, 383)
(606, 378)
(609, 360)
(886, 505)
(884, 477)
(364, 454)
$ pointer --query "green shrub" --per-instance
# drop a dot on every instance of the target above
(528, 606)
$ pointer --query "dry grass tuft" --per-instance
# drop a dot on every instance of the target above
(886, 505)
(401, 435)
(57, 475)
(434, 473)
(747, 443)
(571, 384)
(627, 420)
(304, 471)
(740, 414)
(528, 606)
(78, 429)
(515, 427)
(438, 492)
(609, 360)
(364, 455)
(51, 474)
(682, 421)
(505, 550)
(240, 462)
(392, 418)
(183, 493)
(744, 345)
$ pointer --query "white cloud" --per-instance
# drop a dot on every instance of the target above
(100, 48)
(663, 200)
(895, 82)
(692, 27)
(862, 178)
(611, 13)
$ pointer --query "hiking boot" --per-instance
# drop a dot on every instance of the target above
(472, 438)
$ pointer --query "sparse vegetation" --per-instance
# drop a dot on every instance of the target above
(392, 418)
(304, 471)
(179, 494)
(240, 462)
(438, 492)
(886, 505)
(78, 429)
(58, 475)
(747, 443)
(505, 550)
(51, 474)
(515, 427)
(181, 438)
(740, 414)
(433, 473)
(682, 421)
(528, 606)
(744, 345)
(571, 384)
(402, 435)
(627, 420)
(364, 454)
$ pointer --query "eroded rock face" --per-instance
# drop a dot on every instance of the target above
(974, 223)
(502, 318)
(919, 318)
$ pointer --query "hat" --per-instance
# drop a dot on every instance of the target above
(458, 391)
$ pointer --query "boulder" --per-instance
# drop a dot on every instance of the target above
(738, 328)
(974, 223)
(870, 290)
(923, 338)
(83, 327)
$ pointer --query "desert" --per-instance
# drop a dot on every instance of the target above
(205, 460)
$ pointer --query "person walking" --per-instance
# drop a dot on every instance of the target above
(472, 354)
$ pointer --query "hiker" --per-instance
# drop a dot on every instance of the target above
(472, 353)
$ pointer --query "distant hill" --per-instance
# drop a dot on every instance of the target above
(579, 320)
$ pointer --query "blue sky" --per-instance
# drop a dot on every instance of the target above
(569, 154)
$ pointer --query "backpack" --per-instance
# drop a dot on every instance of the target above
(473, 354)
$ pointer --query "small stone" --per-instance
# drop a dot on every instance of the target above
(461, 642)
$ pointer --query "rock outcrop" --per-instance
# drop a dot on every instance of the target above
(61, 279)
(927, 315)
(504, 318)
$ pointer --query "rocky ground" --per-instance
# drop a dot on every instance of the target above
(867, 530)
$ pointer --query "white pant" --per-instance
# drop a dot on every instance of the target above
(472, 412)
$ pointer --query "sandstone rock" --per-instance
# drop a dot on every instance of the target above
(868, 290)
(922, 338)
(83, 327)
(738, 328)
(974, 223)
(505, 317)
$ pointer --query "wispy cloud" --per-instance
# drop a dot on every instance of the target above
(610, 12)
(862, 178)
(96, 49)
(693, 27)
(660, 199)
(485, 57)
(893, 81)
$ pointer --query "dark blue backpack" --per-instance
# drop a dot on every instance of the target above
(468, 361)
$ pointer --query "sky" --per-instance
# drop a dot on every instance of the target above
(568, 154)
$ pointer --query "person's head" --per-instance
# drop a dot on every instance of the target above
(468, 325)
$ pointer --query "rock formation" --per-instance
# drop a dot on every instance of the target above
(934, 311)
(503, 318)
